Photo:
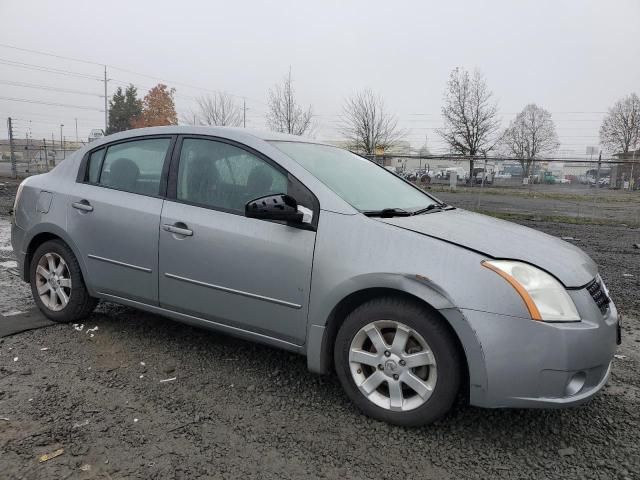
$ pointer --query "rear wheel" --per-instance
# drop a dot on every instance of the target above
(398, 362)
(57, 284)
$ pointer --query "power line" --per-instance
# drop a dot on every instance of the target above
(40, 68)
(146, 87)
(49, 54)
(50, 103)
(122, 70)
(55, 117)
(47, 87)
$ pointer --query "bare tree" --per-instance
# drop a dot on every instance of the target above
(367, 125)
(620, 129)
(470, 115)
(285, 115)
(531, 134)
(220, 110)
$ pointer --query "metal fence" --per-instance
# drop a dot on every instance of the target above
(31, 156)
(563, 191)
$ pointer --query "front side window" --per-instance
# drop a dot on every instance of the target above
(218, 175)
(362, 184)
(134, 166)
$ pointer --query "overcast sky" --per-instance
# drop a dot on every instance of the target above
(574, 58)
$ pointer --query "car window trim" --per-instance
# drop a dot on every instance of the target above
(172, 182)
(83, 170)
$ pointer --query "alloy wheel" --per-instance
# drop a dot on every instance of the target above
(392, 365)
(53, 281)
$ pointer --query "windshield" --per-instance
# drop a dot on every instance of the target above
(358, 181)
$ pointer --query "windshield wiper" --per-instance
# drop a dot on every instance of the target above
(434, 207)
(388, 213)
(401, 212)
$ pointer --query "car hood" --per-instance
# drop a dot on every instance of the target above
(504, 240)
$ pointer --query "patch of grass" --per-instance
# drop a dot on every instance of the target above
(534, 217)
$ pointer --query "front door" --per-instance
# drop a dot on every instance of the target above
(114, 218)
(217, 264)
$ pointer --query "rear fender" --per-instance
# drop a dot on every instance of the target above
(53, 229)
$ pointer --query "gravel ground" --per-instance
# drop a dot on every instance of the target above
(237, 409)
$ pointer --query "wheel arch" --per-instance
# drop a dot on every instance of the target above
(44, 233)
(321, 338)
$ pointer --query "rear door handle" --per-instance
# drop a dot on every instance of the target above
(179, 229)
(83, 205)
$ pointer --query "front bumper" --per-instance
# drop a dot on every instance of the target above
(531, 364)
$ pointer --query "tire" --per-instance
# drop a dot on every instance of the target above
(67, 281)
(419, 324)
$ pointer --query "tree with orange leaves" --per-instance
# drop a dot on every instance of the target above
(158, 108)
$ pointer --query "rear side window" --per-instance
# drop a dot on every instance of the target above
(134, 166)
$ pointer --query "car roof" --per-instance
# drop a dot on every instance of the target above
(234, 133)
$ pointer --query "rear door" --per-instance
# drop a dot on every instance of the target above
(114, 216)
(217, 264)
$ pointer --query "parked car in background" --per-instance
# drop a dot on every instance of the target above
(445, 174)
(605, 182)
(514, 169)
(549, 178)
(308, 247)
(502, 176)
(482, 176)
(423, 176)
(410, 175)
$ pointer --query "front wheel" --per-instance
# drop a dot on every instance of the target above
(398, 362)
(57, 284)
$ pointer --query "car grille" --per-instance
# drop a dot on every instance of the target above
(599, 295)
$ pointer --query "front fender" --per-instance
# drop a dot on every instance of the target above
(321, 332)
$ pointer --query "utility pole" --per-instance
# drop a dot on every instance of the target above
(631, 179)
(14, 171)
(244, 112)
(598, 171)
(77, 141)
(106, 105)
(62, 142)
(46, 157)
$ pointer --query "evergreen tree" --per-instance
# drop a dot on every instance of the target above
(123, 108)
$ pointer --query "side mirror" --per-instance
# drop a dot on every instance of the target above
(278, 207)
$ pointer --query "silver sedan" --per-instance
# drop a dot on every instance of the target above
(310, 248)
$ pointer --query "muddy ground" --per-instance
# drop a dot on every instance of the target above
(236, 409)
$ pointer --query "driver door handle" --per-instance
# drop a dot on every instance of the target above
(178, 228)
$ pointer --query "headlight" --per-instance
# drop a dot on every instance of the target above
(545, 298)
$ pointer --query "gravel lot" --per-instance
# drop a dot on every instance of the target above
(236, 409)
